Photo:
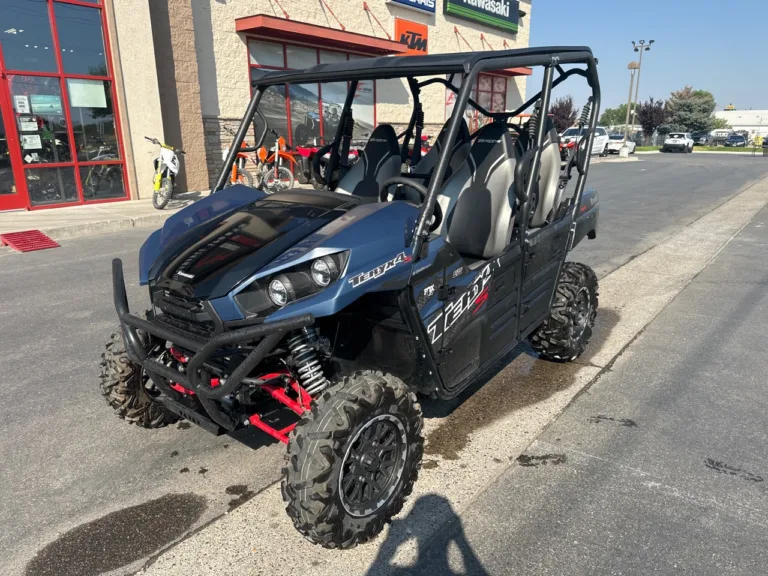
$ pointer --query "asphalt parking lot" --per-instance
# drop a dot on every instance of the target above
(84, 493)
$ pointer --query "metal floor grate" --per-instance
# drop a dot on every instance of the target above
(27, 241)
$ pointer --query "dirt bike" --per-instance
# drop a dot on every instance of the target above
(274, 176)
(239, 174)
(166, 169)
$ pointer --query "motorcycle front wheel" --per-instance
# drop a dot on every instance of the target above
(283, 180)
(161, 197)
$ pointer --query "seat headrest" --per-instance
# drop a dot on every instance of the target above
(462, 138)
(492, 145)
(383, 142)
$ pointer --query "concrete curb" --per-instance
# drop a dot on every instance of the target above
(105, 226)
(471, 447)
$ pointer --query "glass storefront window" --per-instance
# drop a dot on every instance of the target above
(266, 54)
(7, 181)
(300, 56)
(51, 185)
(81, 40)
(273, 107)
(315, 111)
(40, 119)
(305, 113)
(93, 121)
(334, 95)
(102, 181)
(25, 34)
(66, 129)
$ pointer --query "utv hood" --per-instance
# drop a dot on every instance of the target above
(210, 259)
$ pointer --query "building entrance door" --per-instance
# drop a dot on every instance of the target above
(12, 192)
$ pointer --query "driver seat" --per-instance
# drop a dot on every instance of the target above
(479, 200)
(380, 161)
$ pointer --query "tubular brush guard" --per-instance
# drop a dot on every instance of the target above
(195, 379)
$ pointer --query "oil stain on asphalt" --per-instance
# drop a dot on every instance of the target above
(118, 538)
(723, 468)
(242, 493)
(600, 419)
(519, 380)
(534, 461)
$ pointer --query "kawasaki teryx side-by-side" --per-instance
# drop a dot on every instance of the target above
(319, 316)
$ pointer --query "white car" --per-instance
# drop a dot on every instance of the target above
(599, 145)
(681, 141)
(616, 141)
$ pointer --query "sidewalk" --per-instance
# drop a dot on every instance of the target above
(661, 467)
(64, 223)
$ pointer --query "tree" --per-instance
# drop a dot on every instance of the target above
(563, 113)
(614, 116)
(720, 123)
(690, 110)
(651, 115)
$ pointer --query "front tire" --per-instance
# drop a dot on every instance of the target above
(565, 334)
(161, 197)
(279, 182)
(353, 460)
(128, 390)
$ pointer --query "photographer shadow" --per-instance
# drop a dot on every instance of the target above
(434, 554)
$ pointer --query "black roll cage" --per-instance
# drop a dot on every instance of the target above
(469, 65)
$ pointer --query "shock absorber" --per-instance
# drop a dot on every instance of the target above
(302, 347)
(584, 120)
(533, 123)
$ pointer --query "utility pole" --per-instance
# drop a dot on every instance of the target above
(641, 47)
(624, 150)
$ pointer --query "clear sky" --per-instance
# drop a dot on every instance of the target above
(715, 45)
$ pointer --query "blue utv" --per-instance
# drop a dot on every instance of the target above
(319, 316)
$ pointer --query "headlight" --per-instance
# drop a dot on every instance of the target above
(324, 271)
(280, 290)
(265, 295)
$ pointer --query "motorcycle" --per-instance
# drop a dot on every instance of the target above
(166, 169)
(274, 176)
(239, 173)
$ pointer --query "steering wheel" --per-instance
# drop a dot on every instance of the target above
(400, 181)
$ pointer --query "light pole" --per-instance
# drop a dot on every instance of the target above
(632, 66)
(641, 47)
(624, 150)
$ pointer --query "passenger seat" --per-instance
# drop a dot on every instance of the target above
(479, 201)
(380, 161)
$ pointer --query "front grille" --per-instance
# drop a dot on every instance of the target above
(183, 314)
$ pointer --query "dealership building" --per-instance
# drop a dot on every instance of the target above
(83, 82)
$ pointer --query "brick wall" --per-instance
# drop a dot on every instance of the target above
(174, 38)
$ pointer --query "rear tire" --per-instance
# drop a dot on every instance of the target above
(126, 388)
(353, 460)
(565, 334)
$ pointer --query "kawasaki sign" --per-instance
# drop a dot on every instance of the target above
(502, 14)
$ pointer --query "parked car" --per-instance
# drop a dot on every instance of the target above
(678, 142)
(616, 141)
(701, 139)
(601, 138)
(736, 141)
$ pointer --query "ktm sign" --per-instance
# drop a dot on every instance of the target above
(413, 35)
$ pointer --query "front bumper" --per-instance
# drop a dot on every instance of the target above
(195, 377)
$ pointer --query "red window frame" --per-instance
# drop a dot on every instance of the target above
(18, 167)
(317, 50)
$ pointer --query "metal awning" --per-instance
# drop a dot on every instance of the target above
(290, 30)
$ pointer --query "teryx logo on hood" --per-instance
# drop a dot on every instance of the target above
(380, 270)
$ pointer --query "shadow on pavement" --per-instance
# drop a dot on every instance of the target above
(519, 380)
(183, 200)
(442, 559)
